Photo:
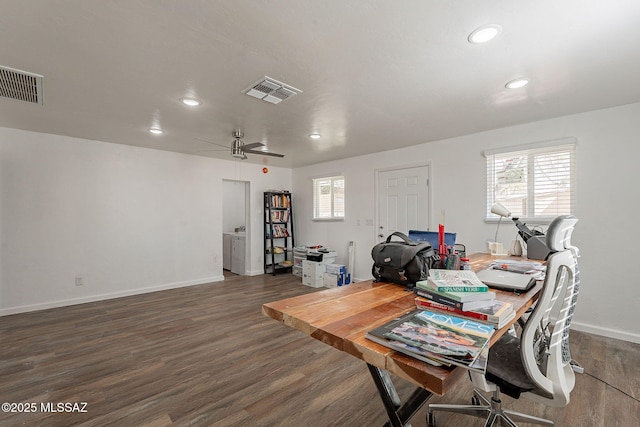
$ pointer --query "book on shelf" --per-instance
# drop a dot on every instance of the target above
(280, 200)
(280, 216)
(443, 298)
(454, 281)
(437, 338)
(498, 314)
(279, 231)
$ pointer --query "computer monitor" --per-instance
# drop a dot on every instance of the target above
(432, 237)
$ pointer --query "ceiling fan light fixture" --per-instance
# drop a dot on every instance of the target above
(484, 34)
(156, 131)
(191, 102)
(236, 149)
(517, 83)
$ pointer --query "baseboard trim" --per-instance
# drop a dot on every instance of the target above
(606, 332)
(254, 272)
(102, 297)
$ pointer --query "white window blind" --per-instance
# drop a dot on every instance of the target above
(328, 198)
(535, 182)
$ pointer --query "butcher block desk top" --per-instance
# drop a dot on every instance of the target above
(340, 317)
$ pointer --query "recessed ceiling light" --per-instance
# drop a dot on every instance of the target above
(517, 83)
(156, 131)
(484, 33)
(191, 102)
(315, 136)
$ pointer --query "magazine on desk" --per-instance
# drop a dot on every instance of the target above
(437, 337)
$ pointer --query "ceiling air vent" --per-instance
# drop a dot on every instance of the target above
(20, 85)
(271, 90)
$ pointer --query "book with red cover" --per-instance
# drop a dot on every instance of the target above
(498, 313)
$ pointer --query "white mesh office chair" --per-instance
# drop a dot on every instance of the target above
(538, 364)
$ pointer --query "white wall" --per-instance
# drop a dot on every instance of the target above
(234, 205)
(125, 219)
(607, 176)
(131, 220)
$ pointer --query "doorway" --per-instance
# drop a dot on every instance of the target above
(403, 200)
(235, 226)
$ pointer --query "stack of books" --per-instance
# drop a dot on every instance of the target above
(437, 338)
(461, 293)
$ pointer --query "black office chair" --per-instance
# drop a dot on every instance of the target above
(538, 364)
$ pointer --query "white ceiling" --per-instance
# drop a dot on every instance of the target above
(375, 75)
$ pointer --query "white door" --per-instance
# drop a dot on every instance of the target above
(403, 200)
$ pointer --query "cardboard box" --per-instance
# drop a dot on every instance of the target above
(336, 268)
(334, 280)
(331, 280)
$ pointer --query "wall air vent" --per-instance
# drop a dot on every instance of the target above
(20, 85)
(271, 90)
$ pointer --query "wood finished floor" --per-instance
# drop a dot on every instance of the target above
(206, 356)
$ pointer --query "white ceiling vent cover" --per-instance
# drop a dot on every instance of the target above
(271, 90)
(20, 85)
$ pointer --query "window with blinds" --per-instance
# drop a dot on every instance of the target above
(328, 198)
(535, 182)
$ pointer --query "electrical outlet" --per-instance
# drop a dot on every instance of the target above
(79, 281)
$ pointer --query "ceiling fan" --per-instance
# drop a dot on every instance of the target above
(240, 150)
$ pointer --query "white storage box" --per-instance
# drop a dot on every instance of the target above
(335, 280)
(314, 283)
(331, 280)
(296, 270)
(336, 269)
(312, 273)
(300, 251)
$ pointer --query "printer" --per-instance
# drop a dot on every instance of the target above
(535, 240)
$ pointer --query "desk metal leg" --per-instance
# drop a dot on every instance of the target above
(399, 413)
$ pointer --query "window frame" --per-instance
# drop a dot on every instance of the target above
(333, 216)
(557, 146)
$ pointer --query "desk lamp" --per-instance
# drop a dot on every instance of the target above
(500, 210)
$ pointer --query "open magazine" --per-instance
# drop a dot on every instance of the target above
(437, 338)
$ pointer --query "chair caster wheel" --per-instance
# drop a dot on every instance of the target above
(431, 419)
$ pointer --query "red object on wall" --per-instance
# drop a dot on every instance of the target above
(265, 170)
